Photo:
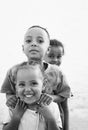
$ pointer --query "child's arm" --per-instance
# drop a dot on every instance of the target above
(66, 114)
(64, 91)
(16, 117)
(11, 100)
(49, 117)
(57, 98)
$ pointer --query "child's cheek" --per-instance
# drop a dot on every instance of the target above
(37, 92)
(20, 92)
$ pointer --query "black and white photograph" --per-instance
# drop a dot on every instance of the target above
(43, 65)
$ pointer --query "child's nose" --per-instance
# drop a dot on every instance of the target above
(27, 88)
(34, 44)
(55, 59)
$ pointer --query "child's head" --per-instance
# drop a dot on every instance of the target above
(29, 83)
(51, 78)
(54, 52)
(36, 42)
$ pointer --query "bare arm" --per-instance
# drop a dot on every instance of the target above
(49, 117)
(13, 125)
(57, 98)
(52, 125)
(16, 117)
(66, 114)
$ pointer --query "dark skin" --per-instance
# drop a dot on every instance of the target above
(12, 99)
(66, 114)
(18, 112)
(51, 123)
(54, 56)
(64, 103)
(20, 108)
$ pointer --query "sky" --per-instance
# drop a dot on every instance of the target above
(65, 20)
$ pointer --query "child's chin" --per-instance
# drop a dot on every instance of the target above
(35, 58)
(30, 102)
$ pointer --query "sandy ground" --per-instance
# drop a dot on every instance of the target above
(78, 108)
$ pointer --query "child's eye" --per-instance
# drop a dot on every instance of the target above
(51, 56)
(59, 56)
(21, 84)
(28, 41)
(34, 83)
(40, 40)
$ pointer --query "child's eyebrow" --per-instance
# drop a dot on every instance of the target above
(21, 81)
(28, 36)
(40, 37)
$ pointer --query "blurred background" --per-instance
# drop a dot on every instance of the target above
(65, 20)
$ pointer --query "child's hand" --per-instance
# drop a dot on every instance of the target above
(45, 112)
(19, 110)
(11, 101)
(45, 99)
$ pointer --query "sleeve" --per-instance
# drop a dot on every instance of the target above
(63, 88)
(4, 111)
(8, 86)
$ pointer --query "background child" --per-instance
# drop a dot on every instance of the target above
(36, 42)
(27, 113)
(61, 89)
(55, 52)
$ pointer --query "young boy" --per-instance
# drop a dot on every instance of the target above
(60, 87)
(28, 115)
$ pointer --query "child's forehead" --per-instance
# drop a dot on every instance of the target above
(36, 71)
(36, 32)
(58, 49)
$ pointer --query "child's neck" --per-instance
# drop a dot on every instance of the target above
(33, 107)
(34, 61)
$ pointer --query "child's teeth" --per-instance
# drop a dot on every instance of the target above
(28, 95)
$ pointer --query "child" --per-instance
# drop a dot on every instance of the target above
(28, 115)
(36, 42)
(55, 52)
(56, 77)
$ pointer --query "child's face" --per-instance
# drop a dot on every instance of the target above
(54, 55)
(29, 85)
(36, 42)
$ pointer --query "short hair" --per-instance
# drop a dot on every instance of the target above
(37, 26)
(27, 67)
(56, 43)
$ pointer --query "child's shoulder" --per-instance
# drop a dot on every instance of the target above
(13, 69)
(54, 68)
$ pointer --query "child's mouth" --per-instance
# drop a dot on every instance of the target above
(28, 96)
(33, 51)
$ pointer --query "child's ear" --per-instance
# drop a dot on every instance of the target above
(48, 50)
